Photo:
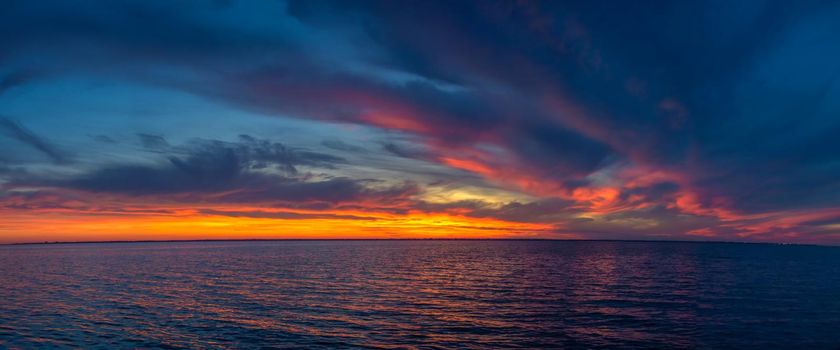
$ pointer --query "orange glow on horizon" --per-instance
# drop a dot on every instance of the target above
(189, 224)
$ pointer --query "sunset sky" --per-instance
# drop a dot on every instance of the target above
(683, 120)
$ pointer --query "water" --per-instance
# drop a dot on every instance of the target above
(420, 294)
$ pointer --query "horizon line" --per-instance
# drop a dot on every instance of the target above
(404, 239)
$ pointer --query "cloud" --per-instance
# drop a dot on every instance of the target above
(205, 170)
(339, 145)
(14, 79)
(203, 166)
(103, 139)
(280, 215)
(404, 152)
(248, 171)
(16, 131)
(153, 142)
(540, 211)
(263, 153)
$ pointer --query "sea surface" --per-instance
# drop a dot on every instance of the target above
(420, 294)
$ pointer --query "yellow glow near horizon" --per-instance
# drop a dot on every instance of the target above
(491, 196)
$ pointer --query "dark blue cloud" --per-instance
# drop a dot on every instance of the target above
(152, 142)
(251, 171)
(16, 131)
(203, 167)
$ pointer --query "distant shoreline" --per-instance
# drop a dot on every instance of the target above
(398, 239)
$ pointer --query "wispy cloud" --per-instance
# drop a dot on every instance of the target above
(16, 131)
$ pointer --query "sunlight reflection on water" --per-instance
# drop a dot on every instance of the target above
(419, 294)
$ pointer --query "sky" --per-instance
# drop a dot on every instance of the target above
(662, 120)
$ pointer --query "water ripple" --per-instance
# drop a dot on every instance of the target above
(419, 295)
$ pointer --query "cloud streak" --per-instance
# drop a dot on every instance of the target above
(16, 131)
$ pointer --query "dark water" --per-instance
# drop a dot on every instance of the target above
(420, 294)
